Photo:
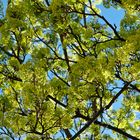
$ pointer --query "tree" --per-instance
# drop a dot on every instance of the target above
(62, 70)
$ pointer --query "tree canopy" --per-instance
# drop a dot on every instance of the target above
(67, 73)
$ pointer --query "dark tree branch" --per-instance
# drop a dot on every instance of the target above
(106, 21)
(78, 114)
(116, 130)
(6, 52)
(7, 132)
(118, 1)
(87, 124)
(134, 87)
(57, 101)
(117, 95)
(131, 85)
(65, 51)
(78, 40)
(15, 78)
(47, 44)
(84, 17)
(13, 54)
(60, 78)
(47, 2)
(67, 132)
(100, 112)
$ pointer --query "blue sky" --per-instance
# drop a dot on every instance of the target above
(113, 15)
(4, 4)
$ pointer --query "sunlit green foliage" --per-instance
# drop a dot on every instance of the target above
(62, 70)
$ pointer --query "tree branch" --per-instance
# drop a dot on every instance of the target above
(106, 21)
(60, 78)
(131, 85)
(47, 2)
(67, 132)
(116, 130)
(100, 112)
(57, 101)
(117, 95)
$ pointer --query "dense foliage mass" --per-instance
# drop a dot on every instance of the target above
(67, 73)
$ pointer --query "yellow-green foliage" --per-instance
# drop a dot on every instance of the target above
(59, 62)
